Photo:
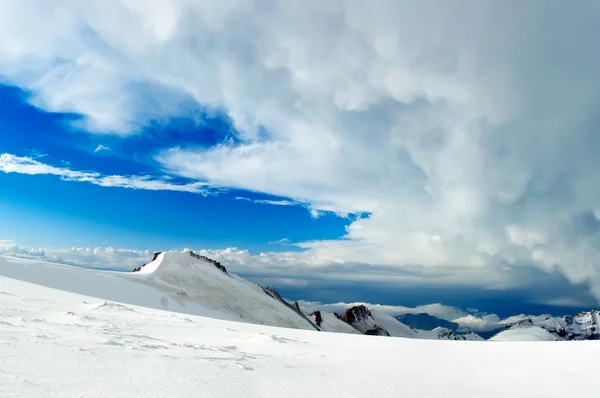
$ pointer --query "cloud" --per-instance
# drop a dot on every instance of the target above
(282, 202)
(25, 165)
(100, 257)
(467, 131)
(101, 148)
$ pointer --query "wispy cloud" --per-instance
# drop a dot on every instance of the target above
(281, 202)
(25, 165)
(102, 148)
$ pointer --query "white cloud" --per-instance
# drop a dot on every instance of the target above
(102, 148)
(100, 257)
(25, 165)
(466, 130)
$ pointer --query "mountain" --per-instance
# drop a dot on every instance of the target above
(530, 333)
(191, 278)
(424, 321)
(582, 326)
(372, 322)
(440, 333)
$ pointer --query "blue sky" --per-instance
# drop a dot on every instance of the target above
(82, 214)
(401, 154)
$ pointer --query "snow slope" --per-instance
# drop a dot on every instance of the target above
(174, 281)
(59, 344)
(532, 333)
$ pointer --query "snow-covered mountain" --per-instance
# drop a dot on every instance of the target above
(582, 326)
(372, 322)
(189, 277)
(440, 333)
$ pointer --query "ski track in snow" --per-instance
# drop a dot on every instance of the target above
(59, 344)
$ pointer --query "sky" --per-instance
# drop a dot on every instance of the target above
(391, 152)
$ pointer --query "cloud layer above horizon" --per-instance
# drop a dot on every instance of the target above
(467, 131)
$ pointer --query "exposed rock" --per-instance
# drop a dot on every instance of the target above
(377, 331)
(356, 314)
(361, 319)
(210, 260)
(318, 318)
(519, 324)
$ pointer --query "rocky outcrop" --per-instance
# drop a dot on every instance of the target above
(210, 260)
(318, 318)
(356, 314)
(377, 331)
(361, 319)
(271, 291)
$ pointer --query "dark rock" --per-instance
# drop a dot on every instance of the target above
(210, 260)
(377, 331)
(318, 318)
(356, 314)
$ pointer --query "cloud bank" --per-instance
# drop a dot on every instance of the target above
(468, 131)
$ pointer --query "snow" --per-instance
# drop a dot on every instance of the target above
(174, 281)
(60, 344)
(532, 333)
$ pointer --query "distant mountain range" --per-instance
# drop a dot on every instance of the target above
(194, 281)
(425, 321)
(197, 280)
(582, 326)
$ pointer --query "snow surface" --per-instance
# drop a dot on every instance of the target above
(532, 333)
(59, 344)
